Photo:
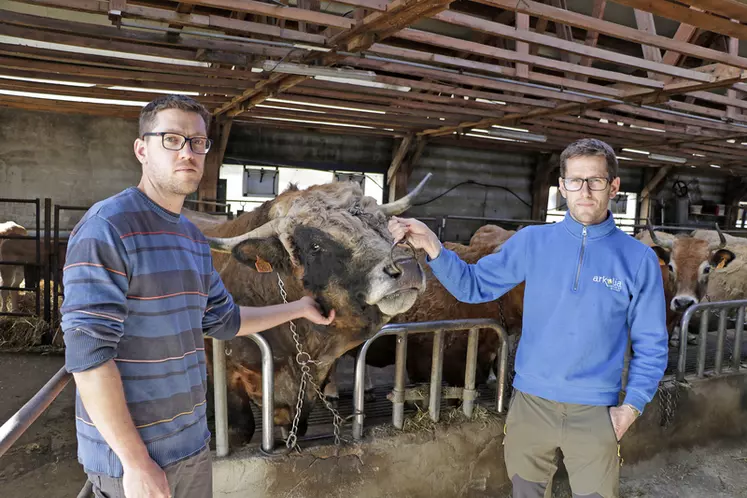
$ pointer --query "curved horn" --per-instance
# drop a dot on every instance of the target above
(261, 232)
(722, 240)
(401, 205)
(667, 244)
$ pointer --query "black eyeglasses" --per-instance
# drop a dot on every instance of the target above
(595, 183)
(175, 141)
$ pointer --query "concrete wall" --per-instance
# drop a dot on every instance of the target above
(453, 165)
(466, 460)
(71, 158)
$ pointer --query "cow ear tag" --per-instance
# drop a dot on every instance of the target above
(721, 264)
(263, 266)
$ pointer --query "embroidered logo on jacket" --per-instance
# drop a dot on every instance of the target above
(611, 283)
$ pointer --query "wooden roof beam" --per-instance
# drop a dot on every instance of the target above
(680, 13)
(592, 37)
(510, 55)
(575, 19)
(721, 75)
(733, 9)
(685, 34)
(376, 26)
(645, 22)
(128, 41)
(463, 63)
(464, 20)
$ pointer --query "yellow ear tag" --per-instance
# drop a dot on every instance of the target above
(721, 264)
(263, 266)
(661, 262)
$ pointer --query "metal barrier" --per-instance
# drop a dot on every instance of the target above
(441, 229)
(56, 270)
(37, 264)
(723, 307)
(221, 395)
(11, 430)
(226, 208)
(469, 393)
(14, 427)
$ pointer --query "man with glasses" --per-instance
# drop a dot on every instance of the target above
(140, 292)
(588, 286)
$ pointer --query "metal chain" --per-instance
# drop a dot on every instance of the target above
(511, 352)
(304, 360)
(668, 402)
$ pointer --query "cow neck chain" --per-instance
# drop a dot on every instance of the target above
(305, 361)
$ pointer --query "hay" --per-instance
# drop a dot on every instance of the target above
(420, 422)
(25, 334)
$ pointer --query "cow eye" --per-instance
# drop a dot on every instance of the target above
(671, 268)
(315, 247)
(707, 270)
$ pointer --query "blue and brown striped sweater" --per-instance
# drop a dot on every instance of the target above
(140, 288)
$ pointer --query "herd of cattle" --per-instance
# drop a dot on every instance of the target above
(332, 242)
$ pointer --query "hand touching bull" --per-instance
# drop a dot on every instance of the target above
(416, 233)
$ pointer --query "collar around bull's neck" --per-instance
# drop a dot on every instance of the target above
(592, 231)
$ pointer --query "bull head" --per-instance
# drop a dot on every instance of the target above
(689, 262)
(298, 242)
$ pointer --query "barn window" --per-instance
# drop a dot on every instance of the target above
(240, 200)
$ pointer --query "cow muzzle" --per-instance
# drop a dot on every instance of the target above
(395, 284)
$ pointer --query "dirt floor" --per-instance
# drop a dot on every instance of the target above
(43, 462)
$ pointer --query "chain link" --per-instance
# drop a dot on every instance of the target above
(304, 360)
(668, 400)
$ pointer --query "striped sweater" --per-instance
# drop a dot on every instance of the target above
(140, 288)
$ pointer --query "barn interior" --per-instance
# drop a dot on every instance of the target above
(483, 94)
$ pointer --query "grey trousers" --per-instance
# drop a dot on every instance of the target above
(535, 427)
(189, 478)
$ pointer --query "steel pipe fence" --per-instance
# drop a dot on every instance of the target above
(37, 264)
(705, 310)
(220, 392)
(437, 328)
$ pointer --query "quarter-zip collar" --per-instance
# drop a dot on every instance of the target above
(592, 231)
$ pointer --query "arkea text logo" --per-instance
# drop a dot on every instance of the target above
(611, 283)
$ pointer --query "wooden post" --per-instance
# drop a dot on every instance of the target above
(647, 191)
(402, 166)
(545, 165)
(208, 190)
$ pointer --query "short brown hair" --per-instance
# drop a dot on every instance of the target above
(171, 101)
(590, 147)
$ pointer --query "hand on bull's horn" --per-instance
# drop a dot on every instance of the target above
(416, 233)
(311, 311)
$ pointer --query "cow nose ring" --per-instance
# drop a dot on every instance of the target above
(391, 254)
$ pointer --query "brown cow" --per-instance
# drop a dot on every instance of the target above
(10, 276)
(436, 303)
(689, 262)
(328, 241)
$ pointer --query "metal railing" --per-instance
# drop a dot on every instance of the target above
(221, 395)
(16, 425)
(37, 263)
(704, 308)
(441, 227)
(56, 270)
(222, 208)
(437, 328)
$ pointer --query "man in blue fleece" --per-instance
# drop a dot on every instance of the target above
(587, 285)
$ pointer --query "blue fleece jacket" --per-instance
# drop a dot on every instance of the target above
(586, 287)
